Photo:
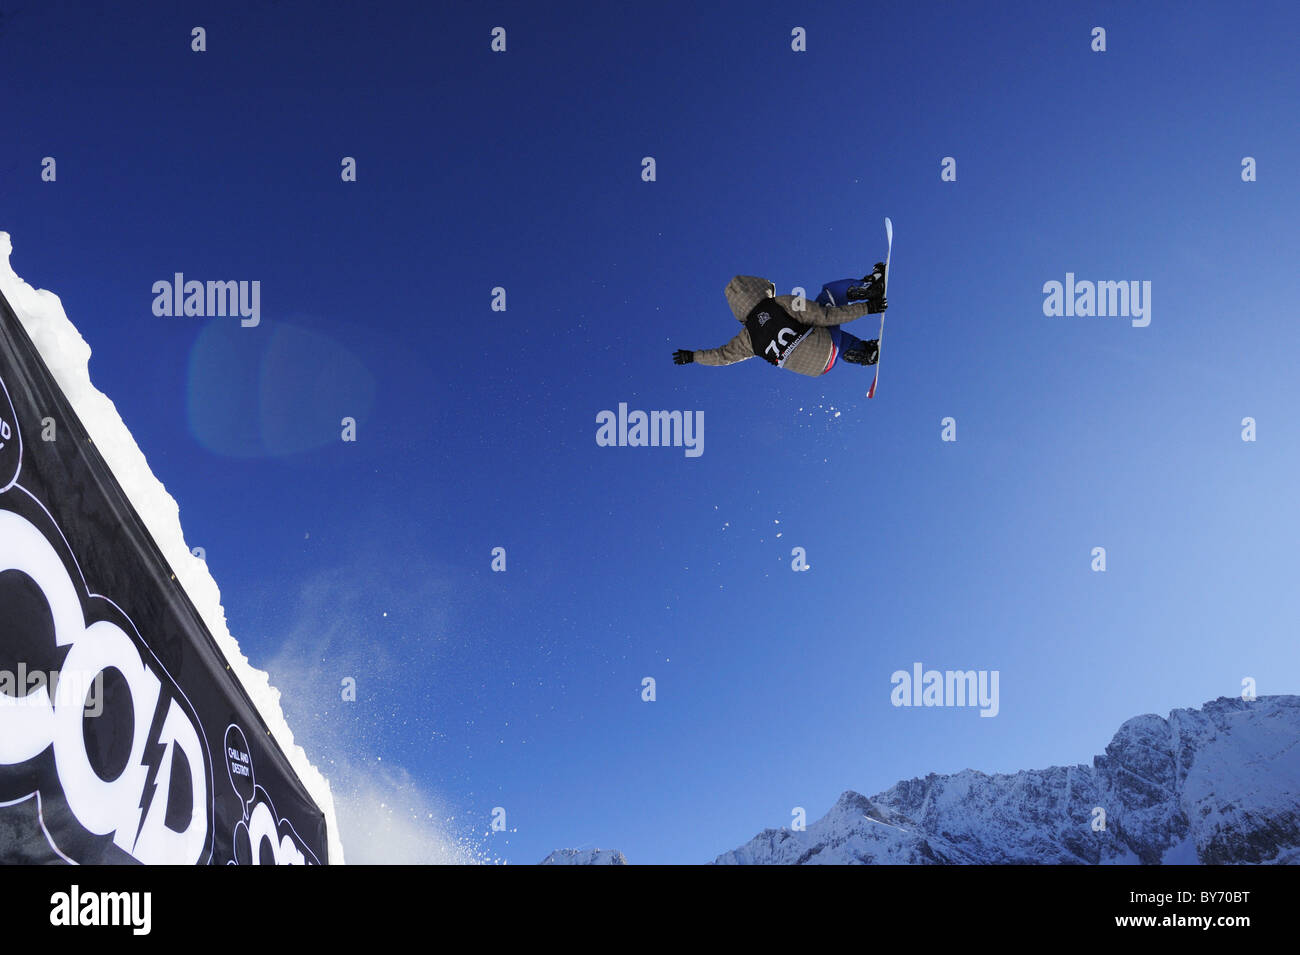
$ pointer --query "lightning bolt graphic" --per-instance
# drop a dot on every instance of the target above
(153, 755)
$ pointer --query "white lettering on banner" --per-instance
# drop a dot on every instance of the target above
(30, 726)
(262, 829)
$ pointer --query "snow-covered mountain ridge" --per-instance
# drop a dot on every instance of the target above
(1215, 785)
(584, 857)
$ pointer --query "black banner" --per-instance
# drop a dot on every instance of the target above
(123, 736)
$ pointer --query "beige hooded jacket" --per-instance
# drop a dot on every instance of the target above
(810, 356)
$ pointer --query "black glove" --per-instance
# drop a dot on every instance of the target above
(877, 270)
(875, 308)
(683, 357)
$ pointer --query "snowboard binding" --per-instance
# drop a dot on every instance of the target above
(865, 354)
(872, 288)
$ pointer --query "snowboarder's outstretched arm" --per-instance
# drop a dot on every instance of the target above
(814, 313)
(738, 349)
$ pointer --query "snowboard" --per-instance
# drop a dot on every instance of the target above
(880, 341)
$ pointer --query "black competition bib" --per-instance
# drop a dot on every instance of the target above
(773, 333)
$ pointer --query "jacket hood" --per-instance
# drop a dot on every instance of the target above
(746, 291)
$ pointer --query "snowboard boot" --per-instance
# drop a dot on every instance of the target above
(872, 287)
(864, 354)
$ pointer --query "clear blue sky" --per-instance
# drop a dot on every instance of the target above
(477, 428)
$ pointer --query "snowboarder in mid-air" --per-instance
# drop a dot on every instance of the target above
(806, 340)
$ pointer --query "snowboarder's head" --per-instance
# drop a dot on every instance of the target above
(745, 291)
